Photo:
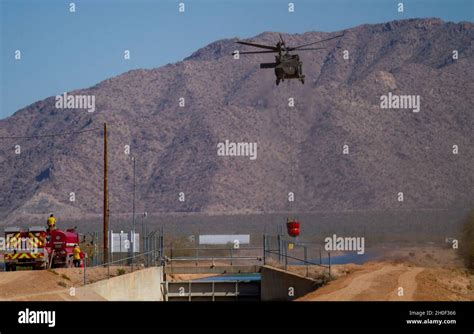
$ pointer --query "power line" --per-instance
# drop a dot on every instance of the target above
(50, 135)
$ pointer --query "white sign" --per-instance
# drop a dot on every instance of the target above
(122, 242)
(223, 239)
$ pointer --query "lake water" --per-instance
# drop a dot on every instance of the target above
(351, 257)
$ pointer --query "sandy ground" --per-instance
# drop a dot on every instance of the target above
(51, 284)
(424, 274)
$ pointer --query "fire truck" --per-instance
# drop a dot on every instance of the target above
(38, 248)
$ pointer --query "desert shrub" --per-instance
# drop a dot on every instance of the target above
(64, 285)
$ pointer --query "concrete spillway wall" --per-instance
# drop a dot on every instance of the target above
(146, 285)
(143, 285)
(281, 285)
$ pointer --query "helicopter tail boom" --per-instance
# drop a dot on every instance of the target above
(268, 65)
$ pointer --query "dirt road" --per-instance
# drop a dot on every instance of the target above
(375, 281)
(426, 274)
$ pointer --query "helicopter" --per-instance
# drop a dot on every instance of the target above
(286, 65)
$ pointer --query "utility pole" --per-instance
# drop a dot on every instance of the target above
(143, 231)
(106, 200)
(133, 214)
(133, 201)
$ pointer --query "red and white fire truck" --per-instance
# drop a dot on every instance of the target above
(38, 248)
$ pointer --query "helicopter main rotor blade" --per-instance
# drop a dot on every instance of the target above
(323, 40)
(253, 52)
(259, 45)
(308, 49)
(282, 40)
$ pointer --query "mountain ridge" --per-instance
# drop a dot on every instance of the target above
(390, 151)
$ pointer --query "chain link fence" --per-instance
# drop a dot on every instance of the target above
(279, 251)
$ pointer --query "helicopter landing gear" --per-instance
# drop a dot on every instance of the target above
(277, 81)
(302, 79)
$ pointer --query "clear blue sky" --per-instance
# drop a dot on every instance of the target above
(62, 51)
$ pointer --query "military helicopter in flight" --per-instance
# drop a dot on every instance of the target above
(286, 65)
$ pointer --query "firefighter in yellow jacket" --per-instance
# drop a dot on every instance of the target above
(51, 222)
(76, 257)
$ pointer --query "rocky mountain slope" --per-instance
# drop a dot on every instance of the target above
(390, 150)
